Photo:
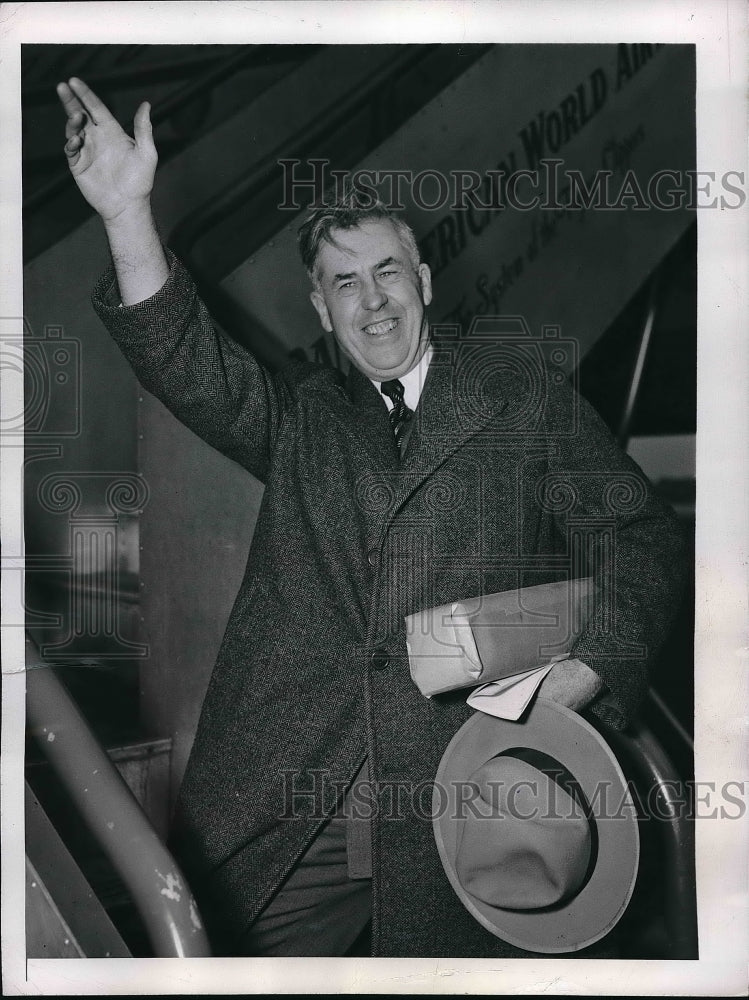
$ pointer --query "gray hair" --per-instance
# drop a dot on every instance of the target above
(348, 212)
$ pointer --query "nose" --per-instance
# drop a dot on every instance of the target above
(373, 296)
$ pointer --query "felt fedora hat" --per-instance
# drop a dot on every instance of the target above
(536, 828)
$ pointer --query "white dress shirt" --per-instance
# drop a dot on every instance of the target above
(412, 382)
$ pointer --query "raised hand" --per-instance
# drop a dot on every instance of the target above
(114, 172)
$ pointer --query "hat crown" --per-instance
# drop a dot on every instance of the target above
(526, 842)
(555, 731)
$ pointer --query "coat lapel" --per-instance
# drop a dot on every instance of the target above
(448, 415)
(372, 423)
(455, 405)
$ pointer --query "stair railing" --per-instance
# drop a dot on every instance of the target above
(158, 888)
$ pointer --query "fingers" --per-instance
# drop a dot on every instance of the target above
(73, 147)
(76, 115)
(70, 102)
(75, 124)
(143, 130)
(571, 683)
(84, 109)
(97, 109)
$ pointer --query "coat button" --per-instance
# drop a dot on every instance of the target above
(373, 557)
(380, 659)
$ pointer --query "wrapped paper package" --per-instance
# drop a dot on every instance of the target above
(467, 643)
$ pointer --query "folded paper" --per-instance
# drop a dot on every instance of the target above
(508, 698)
(467, 643)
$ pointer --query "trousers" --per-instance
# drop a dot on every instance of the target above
(319, 910)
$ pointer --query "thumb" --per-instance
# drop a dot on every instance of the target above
(143, 129)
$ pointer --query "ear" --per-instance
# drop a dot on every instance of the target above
(425, 279)
(318, 302)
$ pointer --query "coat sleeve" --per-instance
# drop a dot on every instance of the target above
(632, 545)
(208, 381)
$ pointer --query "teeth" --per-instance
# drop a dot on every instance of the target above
(384, 327)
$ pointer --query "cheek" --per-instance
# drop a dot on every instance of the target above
(342, 317)
(415, 303)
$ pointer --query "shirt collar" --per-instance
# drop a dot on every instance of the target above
(413, 381)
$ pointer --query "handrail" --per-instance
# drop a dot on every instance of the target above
(656, 700)
(664, 790)
(157, 886)
(625, 424)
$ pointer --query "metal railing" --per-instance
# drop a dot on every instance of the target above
(159, 890)
(157, 887)
(659, 783)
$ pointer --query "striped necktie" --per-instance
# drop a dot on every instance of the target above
(400, 413)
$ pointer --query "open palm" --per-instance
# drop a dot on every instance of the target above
(113, 171)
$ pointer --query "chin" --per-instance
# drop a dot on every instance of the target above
(384, 374)
(385, 368)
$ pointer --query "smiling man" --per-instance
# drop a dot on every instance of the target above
(370, 289)
(311, 710)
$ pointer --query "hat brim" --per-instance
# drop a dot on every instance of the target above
(570, 739)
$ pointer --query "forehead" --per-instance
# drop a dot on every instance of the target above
(359, 248)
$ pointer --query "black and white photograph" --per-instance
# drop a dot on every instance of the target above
(374, 553)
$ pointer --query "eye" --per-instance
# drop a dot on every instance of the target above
(389, 273)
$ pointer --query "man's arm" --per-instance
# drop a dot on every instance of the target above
(115, 175)
(150, 305)
(636, 562)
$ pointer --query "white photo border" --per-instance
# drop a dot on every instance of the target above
(718, 29)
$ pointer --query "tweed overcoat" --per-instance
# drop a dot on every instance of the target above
(509, 478)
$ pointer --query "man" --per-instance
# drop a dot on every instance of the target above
(367, 516)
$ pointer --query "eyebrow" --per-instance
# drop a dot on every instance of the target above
(386, 261)
(352, 274)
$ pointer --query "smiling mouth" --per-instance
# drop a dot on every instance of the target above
(377, 329)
